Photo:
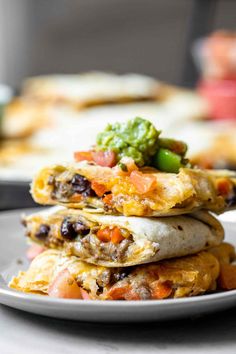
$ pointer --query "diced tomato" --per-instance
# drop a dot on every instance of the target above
(98, 188)
(110, 234)
(104, 235)
(118, 293)
(33, 251)
(107, 199)
(224, 187)
(124, 292)
(64, 286)
(227, 278)
(143, 182)
(116, 235)
(83, 156)
(76, 197)
(101, 158)
(105, 158)
(160, 290)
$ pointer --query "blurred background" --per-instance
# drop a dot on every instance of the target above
(182, 52)
(144, 36)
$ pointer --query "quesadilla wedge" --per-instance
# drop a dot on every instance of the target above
(115, 241)
(94, 88)
(144, 192)
(49, 272)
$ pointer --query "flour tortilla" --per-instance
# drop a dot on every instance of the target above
(175, 194)
(152, 239)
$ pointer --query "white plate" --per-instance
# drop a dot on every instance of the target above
(13, 246)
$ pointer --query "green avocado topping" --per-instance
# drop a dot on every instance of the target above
(139, 139)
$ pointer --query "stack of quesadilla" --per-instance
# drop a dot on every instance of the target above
(129, 221)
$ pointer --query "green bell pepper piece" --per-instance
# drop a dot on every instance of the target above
(167, 161)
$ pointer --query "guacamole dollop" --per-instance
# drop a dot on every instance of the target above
(137, 138)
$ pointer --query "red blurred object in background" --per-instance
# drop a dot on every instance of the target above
(221, 97)
(218, 56)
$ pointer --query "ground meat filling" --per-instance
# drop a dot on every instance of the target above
(121, 274)
(91, 246)
(63, 190)
(86, 244)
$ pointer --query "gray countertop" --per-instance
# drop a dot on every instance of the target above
(21, 332)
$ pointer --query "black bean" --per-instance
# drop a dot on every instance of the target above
(67, 230)
(81, 229)
(43, 232)
(79, 183)
(89, 192)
